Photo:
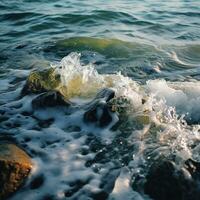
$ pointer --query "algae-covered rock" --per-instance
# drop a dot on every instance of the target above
(104, 106)
(41, 81)
(50, 99)
(15, 166)
(119, 104)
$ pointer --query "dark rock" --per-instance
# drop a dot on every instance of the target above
(15, 166)
(37, 182)
(98, 111)
(106, 94)
(101, 195)
(50, 99)
(41, 81)
(166, 181)
(121, 105)
(75, 187)
(108, 180)
(194, 168)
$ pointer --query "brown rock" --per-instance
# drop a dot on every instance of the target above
(15, 166)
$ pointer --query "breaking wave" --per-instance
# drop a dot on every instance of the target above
(77, 160)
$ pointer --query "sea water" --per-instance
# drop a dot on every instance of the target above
(145, 51)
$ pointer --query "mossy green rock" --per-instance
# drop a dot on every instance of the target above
(41, 81)
(120, 104)
(15, 166)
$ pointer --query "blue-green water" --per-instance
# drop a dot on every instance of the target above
(141, 35)
(154, 43)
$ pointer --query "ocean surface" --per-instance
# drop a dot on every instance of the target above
(142, 49)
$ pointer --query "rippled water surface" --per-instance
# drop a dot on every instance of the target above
(144, 50)
(135, 37)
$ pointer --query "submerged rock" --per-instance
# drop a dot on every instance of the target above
(166, 180)
(41, 81)
(50, 99)
(15, 166)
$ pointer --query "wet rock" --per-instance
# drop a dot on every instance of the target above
(119, 104)
(101, 195)
(104, 106)
(166, 180)
(50, 99)
(37, 182)
(41, 81)
(98, 111)
(106, 94)
(15, 166)
(194, 168)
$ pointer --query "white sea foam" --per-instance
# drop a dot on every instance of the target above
(185, 97)
(75, 160)
(122, 188)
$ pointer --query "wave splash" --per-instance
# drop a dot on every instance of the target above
(161, 120)
(84, 81)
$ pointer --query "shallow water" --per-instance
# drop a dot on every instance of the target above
(141, 49)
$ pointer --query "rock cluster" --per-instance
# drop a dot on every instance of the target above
(164, 180)
(99, 111)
